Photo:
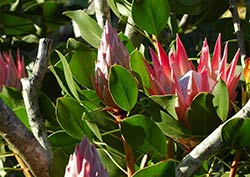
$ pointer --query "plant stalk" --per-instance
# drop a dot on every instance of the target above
(234, 165)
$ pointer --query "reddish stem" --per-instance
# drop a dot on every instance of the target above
(234, 165)
(170, 149)
(129, 157)
(119, 115)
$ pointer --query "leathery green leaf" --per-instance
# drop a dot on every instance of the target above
(236, 133)
(123, 87)
(69, 115)
(89, 29)
(151, 15)
(221, 100)
(68, 76)
(149, 138)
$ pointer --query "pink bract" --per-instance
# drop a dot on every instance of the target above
(10, 74)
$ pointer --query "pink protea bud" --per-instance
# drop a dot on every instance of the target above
(85, 162)
(110, 52)
(10, 74)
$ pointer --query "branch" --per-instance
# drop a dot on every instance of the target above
(238, 31)
(132, 33)
(31, 86)
(102, 12)
(23, 141)
(207, 147)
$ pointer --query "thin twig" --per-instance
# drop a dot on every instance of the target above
(102, 12)
(25, 169)
(237, 30)
(24, 142)
(207, 147)
(31, 87)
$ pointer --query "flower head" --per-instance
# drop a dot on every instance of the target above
(111, 51)
(85, 162)
(175, 74)
(10, 74)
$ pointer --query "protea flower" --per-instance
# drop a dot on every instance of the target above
(175, 74)
(10, 74)
(111, 51)
(85, 162)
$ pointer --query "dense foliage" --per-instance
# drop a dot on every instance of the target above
(142, 101)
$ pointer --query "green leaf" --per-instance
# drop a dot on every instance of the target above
(68, 76)
(202, 117)
(68, 144)
(89, 29)
(172, 127)
(22, 115)
(47, 107)
(142, 134)
(221, 99)
(112, 5)
(161, 169)
(12, 97)
(59, 162)
(139, 68)
(123, 87)
(169, 125)
(62, 83)
(104, 121)
(73, 44)
(89, 99)
(69, 115)
(15, 24)
(236, 133)
(151, 15)
(127, 43)
(82, 65)
(167, 102)
(109, 165)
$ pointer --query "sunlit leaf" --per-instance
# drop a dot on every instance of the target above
(68, 76)
(89, 29)
(123, 87)
(221, 100)
(151, 15)
(138, 67)
(82, 65)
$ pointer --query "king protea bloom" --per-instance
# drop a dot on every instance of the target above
(10, 74)
(110, 52)
(85, 162)
(175, 74)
